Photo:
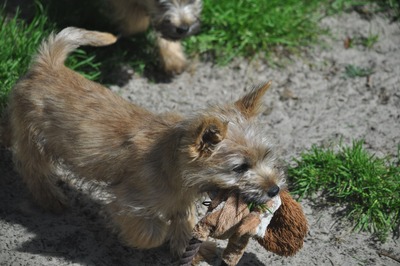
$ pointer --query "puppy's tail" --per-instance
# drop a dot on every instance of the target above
(55, 50)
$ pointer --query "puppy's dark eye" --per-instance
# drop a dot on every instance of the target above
(241, 168)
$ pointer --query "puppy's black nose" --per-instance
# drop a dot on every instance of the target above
(273, 191)
(183, 29)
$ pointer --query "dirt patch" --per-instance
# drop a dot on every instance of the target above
(311, 102)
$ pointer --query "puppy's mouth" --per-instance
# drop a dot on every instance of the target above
(173, 32)
(249, 195)
(259, 196)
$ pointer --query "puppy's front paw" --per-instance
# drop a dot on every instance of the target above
(174, 66)
(172, 56)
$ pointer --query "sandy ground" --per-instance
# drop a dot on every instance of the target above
(310, 103)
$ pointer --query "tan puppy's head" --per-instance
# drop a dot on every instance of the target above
(175, 19)
(227, 149)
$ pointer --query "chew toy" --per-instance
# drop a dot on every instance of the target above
(280, 226)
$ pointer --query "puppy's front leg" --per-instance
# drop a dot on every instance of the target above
(137, 231)
(180, 232)
(172, 57)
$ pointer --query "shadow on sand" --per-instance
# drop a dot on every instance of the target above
(79, 235)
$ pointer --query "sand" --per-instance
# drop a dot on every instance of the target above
(311, 102)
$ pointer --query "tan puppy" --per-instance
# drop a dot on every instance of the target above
(173, 20)
(156, 166)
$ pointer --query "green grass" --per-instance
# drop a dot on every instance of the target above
(19, 41)
(352, 71)
(367, 185)
(364, 41)
(369, 41)
(247, 27)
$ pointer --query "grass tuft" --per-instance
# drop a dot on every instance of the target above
(247, 27)
(352, 71)
(19, 41)
(366, 184)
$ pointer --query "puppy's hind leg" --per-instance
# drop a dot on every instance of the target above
(39, 174)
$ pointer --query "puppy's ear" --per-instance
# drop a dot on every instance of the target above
(249, 105)
(208, 133)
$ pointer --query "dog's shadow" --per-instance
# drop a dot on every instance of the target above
(79, 235)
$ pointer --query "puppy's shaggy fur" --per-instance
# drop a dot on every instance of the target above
(173, 20)
(155, 165)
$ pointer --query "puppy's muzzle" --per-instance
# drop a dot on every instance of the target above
(260, 197)
(176, 32)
